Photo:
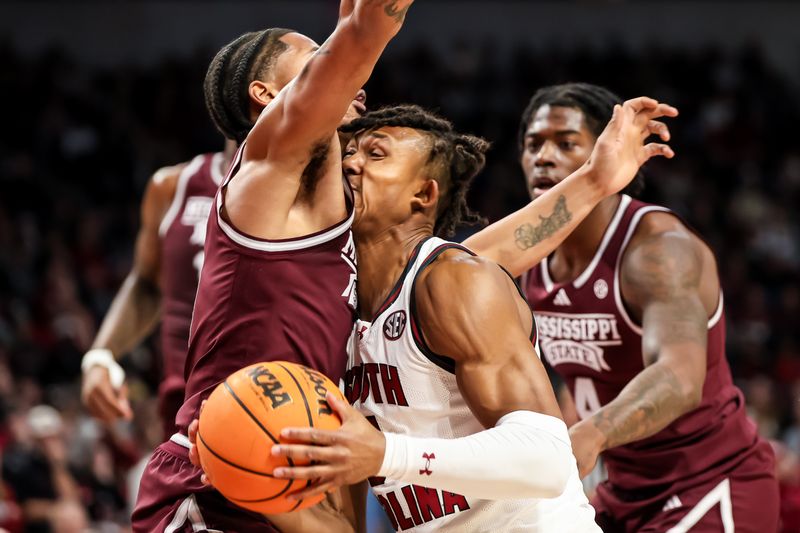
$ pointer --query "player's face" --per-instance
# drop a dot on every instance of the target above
(387, 170)
(557, 143)
(290, 64)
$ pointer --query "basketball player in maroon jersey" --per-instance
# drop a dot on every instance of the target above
(168, 256)
(278, 281)
(630, 314)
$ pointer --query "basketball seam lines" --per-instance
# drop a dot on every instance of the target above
(226, 461)
(249, 413)
(308, 412)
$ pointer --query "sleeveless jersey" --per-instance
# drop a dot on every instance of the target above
(590, 340)
(269, 300)
(182, 233)
(395, 380)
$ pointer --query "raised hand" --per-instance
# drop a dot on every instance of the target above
(346, 456)
(622, 149)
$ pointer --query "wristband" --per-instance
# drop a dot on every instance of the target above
(104, 358)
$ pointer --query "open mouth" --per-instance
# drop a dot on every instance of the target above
(542, 184)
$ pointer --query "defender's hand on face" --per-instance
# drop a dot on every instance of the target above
(621, 150)
(101, 399)
(346, 456)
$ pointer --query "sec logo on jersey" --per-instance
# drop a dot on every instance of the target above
(395, 325)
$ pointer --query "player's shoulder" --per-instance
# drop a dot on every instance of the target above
(663, 232)
(456, 276)
(164, 181)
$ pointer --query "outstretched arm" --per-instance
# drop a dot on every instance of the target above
(310, 108)
(660, 277)
(136, 307)
(471, 312)
(522, 239)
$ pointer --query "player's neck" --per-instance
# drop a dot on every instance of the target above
(578, 249)
(382, 258)
(227, 154)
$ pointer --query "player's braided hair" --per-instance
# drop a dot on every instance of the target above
(597, 104)
(456, 158)
(249, 57)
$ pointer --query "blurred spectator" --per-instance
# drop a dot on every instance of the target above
(37, 470)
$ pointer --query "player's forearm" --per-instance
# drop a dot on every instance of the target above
(493, 464)
(132, 316)
(650, 402)
(521, 240)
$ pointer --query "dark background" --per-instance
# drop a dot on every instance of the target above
(97, 95)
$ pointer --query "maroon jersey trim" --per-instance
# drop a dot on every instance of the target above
(578, 282)
(180, 193)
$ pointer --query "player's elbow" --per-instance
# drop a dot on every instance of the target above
(548, 473)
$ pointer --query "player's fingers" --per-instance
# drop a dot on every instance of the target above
(339, 406)
(202, 406)
(194, 425)
(331, 454)
(123, 403)
(655, 127)
(315, 436)
(657, 150)
(664, 110)
(639, 104)
(194, 456)
(204, 479)
(314, 472)
(104, 403)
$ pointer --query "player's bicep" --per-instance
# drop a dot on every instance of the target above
(157, 200)
(473, 314)
(661, 282)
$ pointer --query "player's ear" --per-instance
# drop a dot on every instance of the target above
(261, 94)
(427, 196)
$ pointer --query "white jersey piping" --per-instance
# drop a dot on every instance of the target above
(618, 292)
(180, 194)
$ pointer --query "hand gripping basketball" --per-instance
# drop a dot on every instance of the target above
(241, 421)
(350, 454)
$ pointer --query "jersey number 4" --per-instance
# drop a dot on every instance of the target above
(586, 400)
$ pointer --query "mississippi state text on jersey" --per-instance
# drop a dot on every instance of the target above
(402, 387)
(587, 336)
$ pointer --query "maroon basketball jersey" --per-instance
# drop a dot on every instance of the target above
(183, 232)
(589, 339)
(269, 300)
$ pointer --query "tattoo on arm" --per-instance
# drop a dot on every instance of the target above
(643, 408)
(391, 10)
(527, 236)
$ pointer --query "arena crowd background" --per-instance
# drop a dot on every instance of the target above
(96, 95)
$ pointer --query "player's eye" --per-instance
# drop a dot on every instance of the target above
(567, 145)
(349, 152)
(533, 146)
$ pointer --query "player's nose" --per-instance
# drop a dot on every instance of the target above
(546, 154)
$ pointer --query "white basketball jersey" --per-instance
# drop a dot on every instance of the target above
(400, 385)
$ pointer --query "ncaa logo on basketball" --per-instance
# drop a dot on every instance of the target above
(395, 325)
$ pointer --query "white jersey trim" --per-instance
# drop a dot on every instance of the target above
(581, 280)
(721, 494)
(216, 168)
(180, 194)
(288, 245)
(618, 292)
(181, 440)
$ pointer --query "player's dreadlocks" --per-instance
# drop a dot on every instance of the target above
(597, 104)
(249, 57)
(456, 158)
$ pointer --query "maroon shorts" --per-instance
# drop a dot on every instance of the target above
(172, 499)
(744, 500)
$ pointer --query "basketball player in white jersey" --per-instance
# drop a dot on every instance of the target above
(442, 360)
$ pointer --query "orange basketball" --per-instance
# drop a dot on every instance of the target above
(242, 420)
